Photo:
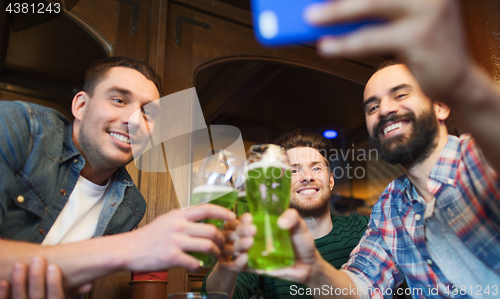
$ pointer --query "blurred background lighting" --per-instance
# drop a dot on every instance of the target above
(330, 134)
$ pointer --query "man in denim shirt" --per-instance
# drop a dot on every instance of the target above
(64, 183)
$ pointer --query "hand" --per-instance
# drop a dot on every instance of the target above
(239, 239)
(38, 280)
(165, 241)
(426, 35)
(306, 255)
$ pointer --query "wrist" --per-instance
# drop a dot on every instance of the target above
(319, 271)
(469, 85)
(121, 254)
(222, 269)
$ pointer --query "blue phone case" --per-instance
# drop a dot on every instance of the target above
(281, 22)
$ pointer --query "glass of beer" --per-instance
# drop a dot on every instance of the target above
(241, 206)
(216, 182)
(268, 186)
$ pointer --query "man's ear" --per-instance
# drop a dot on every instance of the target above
(80, 102)
(442, 111)
(332, 181)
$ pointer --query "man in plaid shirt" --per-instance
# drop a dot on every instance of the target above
(438, 226)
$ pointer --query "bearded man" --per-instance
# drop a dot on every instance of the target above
(435, 227)
(335, 236)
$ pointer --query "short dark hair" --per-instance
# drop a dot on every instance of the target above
(97, 71)
(299, 138)
(450, 123)
(387, 63)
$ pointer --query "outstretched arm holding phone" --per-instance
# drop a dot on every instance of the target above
(428, 37)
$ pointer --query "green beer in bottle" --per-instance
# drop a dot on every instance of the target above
(268, 193)
(223, 196)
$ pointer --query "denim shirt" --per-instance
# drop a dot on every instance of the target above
(39, 168)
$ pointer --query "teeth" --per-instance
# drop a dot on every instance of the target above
(307, 191)
(392, 127)
(120, 137)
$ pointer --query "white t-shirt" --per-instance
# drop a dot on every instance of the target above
(78, 219)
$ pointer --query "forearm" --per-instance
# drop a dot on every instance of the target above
(475, 103)
(80, 262)
(324, 274)
(221, 280)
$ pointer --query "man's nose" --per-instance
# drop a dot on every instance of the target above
(387, 106)
(133, 118)
(306, 175)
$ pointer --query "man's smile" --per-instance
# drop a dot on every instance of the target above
(122, 139)
(393, 128)
(308, 191)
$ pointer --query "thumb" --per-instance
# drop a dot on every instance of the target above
(302, 240)
(4, 289)
(291, 220)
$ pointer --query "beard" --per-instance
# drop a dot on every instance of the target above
(311, 209)
(412, 150)
(92, 151)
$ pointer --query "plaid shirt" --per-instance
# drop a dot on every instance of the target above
(467, 192)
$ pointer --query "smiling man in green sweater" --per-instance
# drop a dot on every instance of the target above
(335, 236)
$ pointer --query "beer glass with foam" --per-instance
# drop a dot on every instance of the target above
(268, 186)
(216, 182)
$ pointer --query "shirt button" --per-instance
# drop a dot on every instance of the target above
(451, 181)
(42, 232)
(75, 161)
(63, 192)
(450, 212)
(417, 217)
(20, 199)
(429, 261)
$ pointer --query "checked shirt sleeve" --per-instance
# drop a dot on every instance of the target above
(371, 260)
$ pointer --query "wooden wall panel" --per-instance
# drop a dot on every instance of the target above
(177, 76)
(102, 14)
(228, 40)
(146, 44)
(483, 27)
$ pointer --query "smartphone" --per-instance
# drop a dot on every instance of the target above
(281, 22)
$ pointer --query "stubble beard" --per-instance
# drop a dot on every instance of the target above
(93, 152)
(312, 210)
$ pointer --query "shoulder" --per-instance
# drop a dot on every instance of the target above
(47, 115)
(469, 150)
(472, 167)
(345, 228)
(354, 220)
(7, 108)
(14, 116)
(392, 194)
(39, 120)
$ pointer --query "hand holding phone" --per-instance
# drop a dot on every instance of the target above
(281, 22)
